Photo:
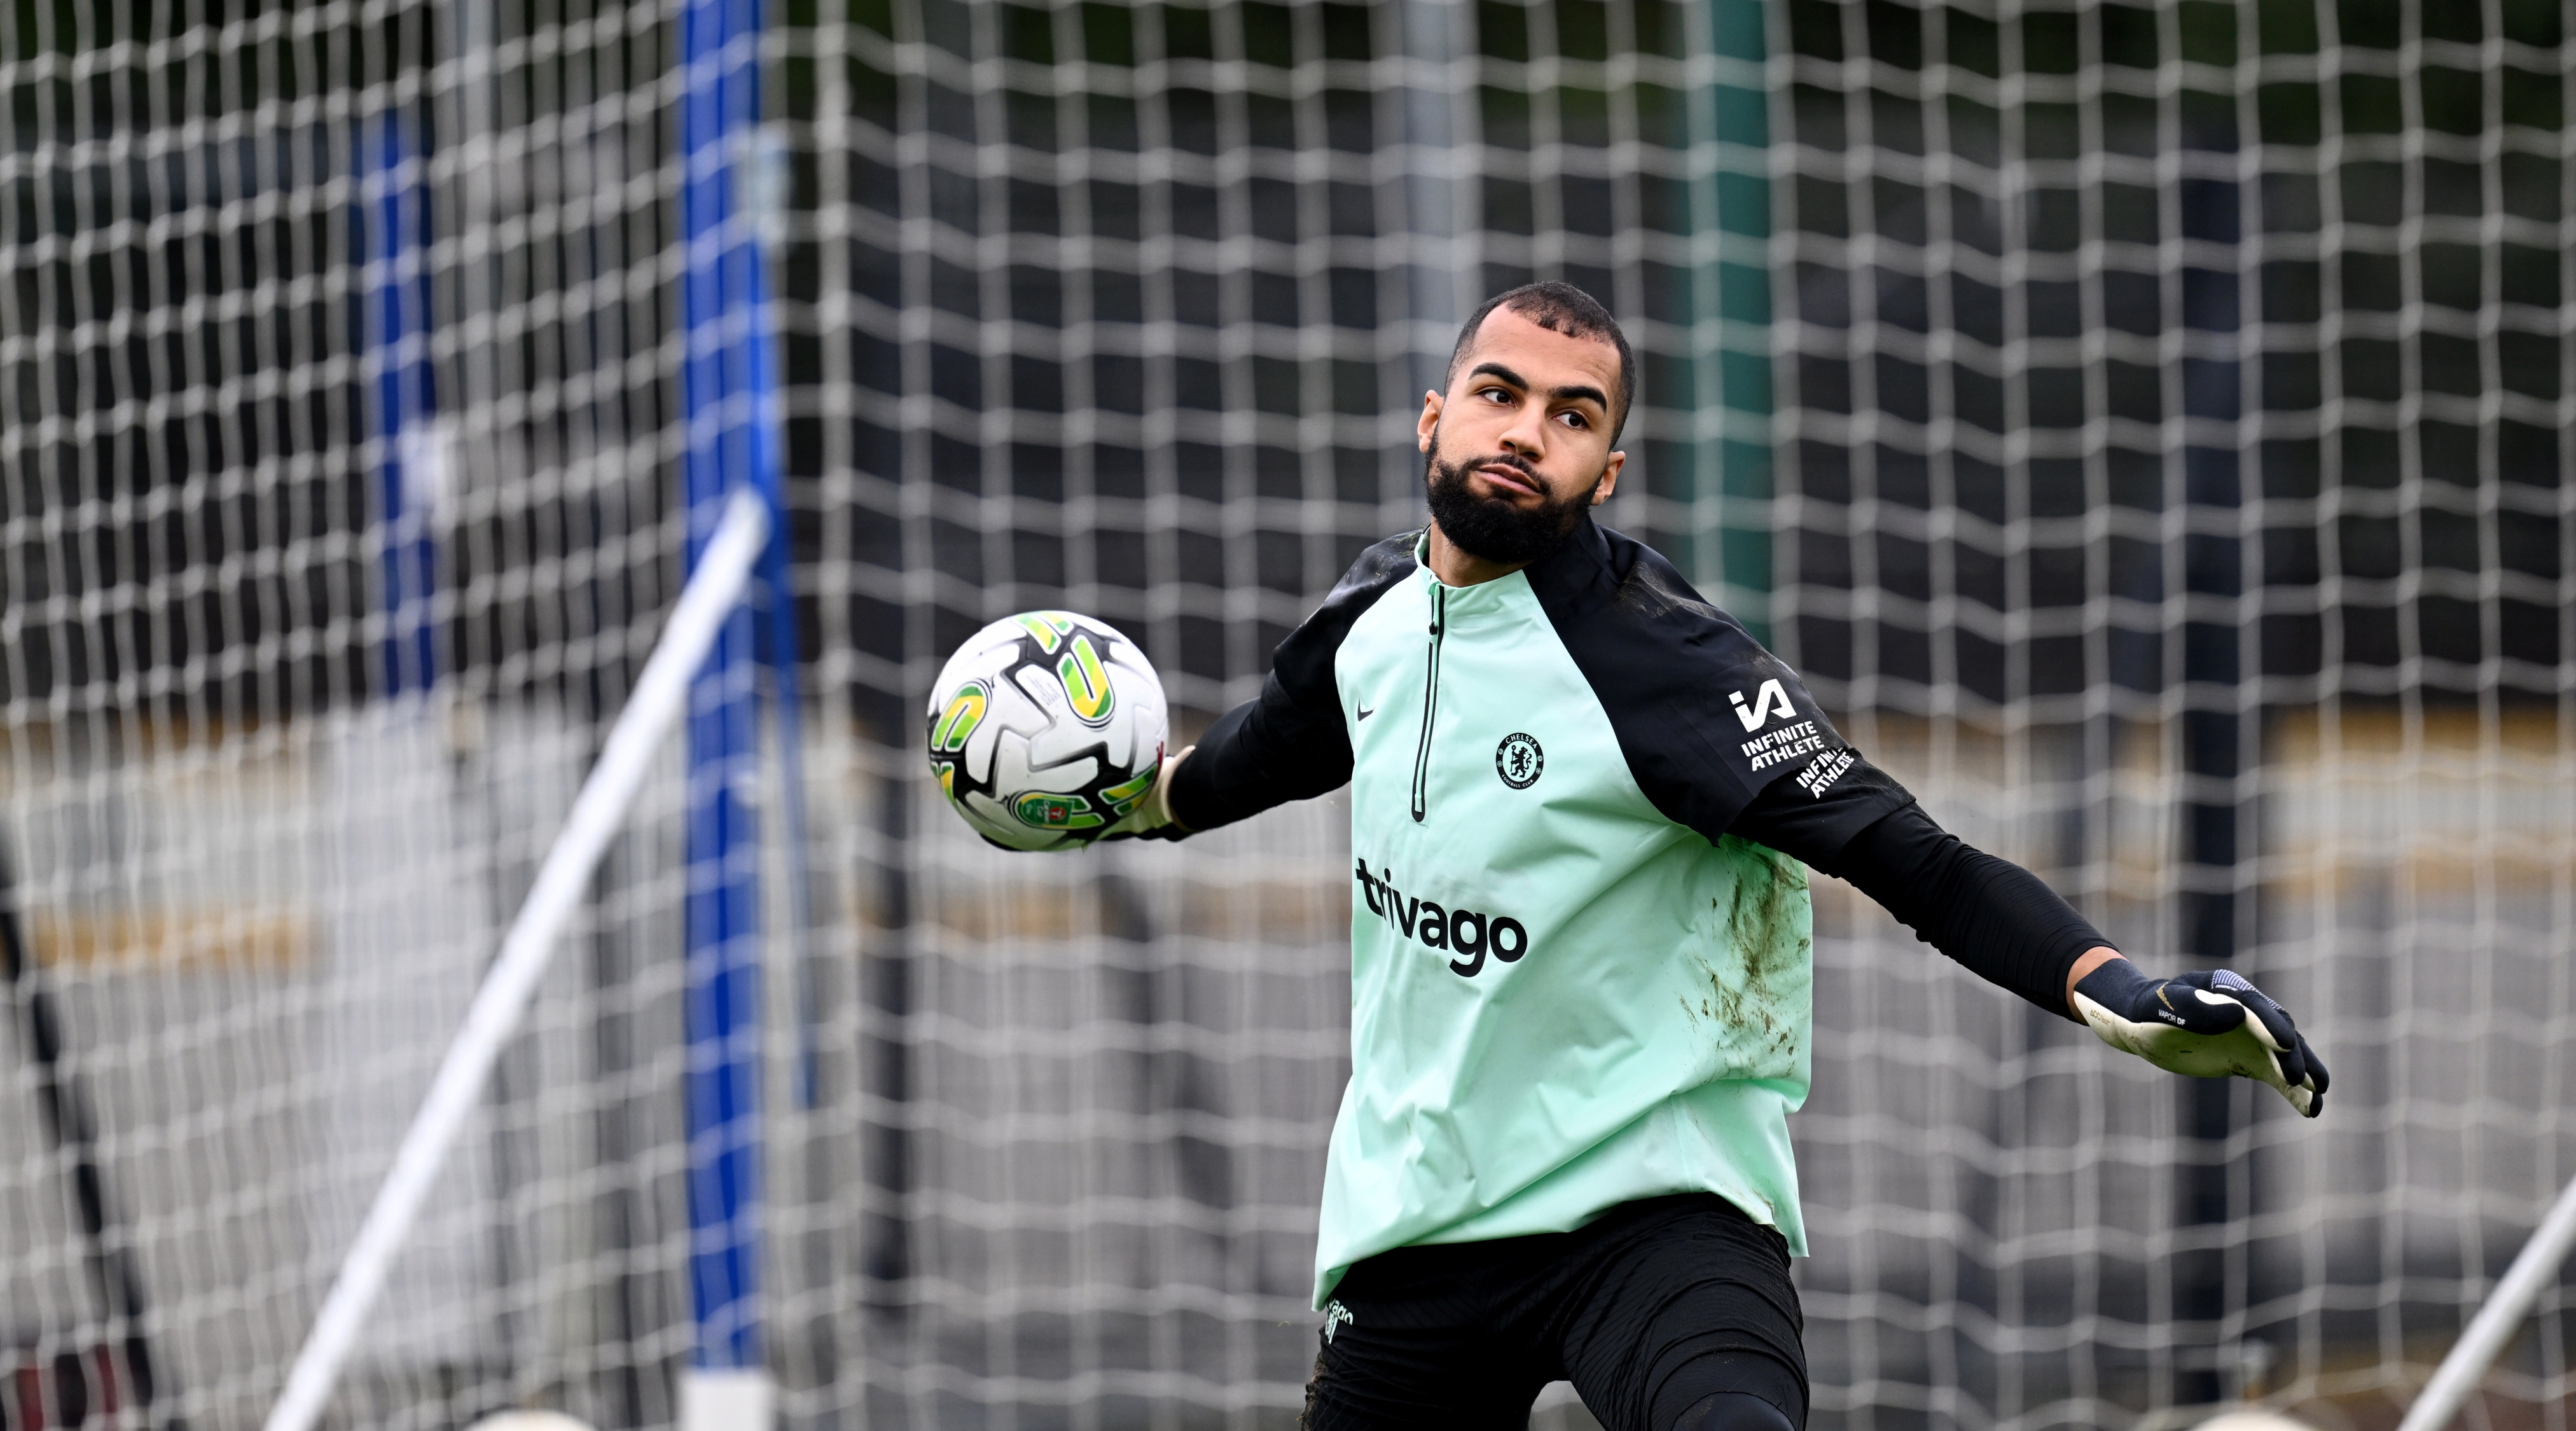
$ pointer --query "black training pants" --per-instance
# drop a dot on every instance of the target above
(1672, 1314)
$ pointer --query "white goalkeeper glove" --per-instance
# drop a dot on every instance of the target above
(2208, 1025)
(1152, 817)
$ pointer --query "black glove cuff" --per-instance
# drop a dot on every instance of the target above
(2121, 987)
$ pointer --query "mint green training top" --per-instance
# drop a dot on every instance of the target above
(1571, 985)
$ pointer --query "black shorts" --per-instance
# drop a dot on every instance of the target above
(1649, 1310)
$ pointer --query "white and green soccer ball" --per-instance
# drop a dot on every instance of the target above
(1045, 729)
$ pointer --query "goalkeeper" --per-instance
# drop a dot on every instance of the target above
(1580, 962)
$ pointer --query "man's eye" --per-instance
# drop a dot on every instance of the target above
(1576, 419)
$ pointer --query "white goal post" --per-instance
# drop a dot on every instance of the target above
(2456, 1380)
(660, 698)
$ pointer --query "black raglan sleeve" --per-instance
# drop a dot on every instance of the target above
(1724, 738)
(1289, 742)
(1706, 718)
(1993, 917)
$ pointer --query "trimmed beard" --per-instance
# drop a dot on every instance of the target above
(1492, 528)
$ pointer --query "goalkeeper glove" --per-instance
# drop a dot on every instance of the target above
(1152, 817)
(2208, 1025)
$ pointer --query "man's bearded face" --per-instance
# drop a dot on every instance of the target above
(1495, 528)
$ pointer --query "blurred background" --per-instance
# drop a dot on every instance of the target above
(2147, 428)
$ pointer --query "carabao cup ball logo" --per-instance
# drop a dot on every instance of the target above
(1045, 729)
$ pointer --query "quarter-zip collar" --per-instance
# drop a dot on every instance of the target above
(1579, 575)
(1457, 608)
(1583, 550)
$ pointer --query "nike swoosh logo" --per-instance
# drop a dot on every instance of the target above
(1366, 712)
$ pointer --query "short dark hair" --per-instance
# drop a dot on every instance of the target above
(1559, 308)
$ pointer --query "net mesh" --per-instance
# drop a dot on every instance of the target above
(2145, 427)
(2172, 434)
(340, 479)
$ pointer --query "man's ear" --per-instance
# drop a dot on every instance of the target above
(1428, 423)
(1609, 482)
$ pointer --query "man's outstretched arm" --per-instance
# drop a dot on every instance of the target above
(2003, 923)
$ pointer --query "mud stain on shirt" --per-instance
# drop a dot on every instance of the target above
(1761, 922)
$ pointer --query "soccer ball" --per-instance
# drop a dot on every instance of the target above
(1045, 729)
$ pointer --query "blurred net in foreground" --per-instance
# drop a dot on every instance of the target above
(2169, 429)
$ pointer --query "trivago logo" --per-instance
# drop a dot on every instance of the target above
(1467, 933)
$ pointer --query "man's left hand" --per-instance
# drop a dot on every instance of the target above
(2206, 1024)
(1152, 817)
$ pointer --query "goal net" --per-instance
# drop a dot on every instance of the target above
(2145, 426)
(2172, 439)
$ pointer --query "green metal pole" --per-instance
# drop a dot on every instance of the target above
(1731, 318)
